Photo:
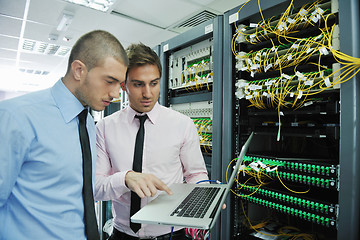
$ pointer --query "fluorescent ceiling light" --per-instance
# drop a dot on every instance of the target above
(101, 5)
(65, 21)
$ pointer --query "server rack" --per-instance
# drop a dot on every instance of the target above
(331, 207)
(191, 83)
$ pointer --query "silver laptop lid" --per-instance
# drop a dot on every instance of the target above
(232, 177)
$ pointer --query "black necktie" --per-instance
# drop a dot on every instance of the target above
(91, 228)
(137, 167)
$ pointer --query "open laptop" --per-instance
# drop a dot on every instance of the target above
(165, 208)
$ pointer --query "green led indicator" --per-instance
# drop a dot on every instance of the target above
(313, 180)
(301, 166)
(308, 179)
(277, 195)
(327, 221)
(317, 206)
(326, 208)
(287, 210)
(304, 179)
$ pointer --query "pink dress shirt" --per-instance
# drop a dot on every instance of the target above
(171, 152)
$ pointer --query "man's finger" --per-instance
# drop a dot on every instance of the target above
(138, 191)
(146, 190)
(162, 186)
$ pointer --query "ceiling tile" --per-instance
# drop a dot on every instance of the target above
(10, 26)
(163, 13)
(12, 8)
(10, 43)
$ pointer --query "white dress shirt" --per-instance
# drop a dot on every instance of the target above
(171, 152)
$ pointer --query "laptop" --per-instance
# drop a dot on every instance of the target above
(172, 209)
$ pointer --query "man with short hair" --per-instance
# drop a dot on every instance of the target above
(41, 158)
(171, 149)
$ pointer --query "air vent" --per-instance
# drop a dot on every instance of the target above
(196, 20)
(44, 48)
(33, 71)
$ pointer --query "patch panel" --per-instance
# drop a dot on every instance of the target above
(201, 114)
(297, 201)
(309, 166)
(203, 125)
(195, 109)
(272, 56)
(313, 174)
(292, 211)
(268, 88)
(191, 68)
(254, 32)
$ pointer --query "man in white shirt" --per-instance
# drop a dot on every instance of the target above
(171, 149)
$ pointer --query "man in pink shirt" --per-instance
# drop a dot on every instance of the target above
(171, 149)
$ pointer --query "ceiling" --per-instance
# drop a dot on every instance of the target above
(32, 23)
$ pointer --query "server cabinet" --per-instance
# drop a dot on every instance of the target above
(286, 84)
(191, 83)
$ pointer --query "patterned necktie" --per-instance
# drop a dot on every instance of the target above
(91, 228)
(137, 167)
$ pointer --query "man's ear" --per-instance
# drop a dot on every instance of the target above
(122, 85)
(79, 69)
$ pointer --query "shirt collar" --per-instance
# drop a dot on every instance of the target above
(67, 103)
(152, 115)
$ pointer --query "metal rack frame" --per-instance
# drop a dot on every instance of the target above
(349, 159)
(188, 38)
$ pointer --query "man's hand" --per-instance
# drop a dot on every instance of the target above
(145, 185)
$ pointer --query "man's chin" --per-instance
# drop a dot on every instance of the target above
(145, 109)
(98, 108)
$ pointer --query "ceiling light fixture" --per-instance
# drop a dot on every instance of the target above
(101, 5)
(53, 37)
(65, 21)
(33, 46)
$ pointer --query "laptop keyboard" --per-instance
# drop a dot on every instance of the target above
(196, 203)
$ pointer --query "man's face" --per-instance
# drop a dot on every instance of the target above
(143, 87)
(101, 84)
